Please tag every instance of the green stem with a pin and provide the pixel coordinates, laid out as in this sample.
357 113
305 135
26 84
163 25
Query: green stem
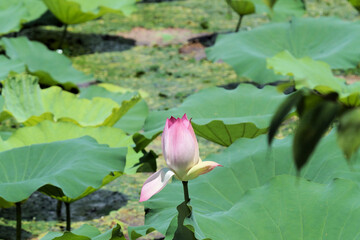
18 220
186 192
63 36
68 217
239 23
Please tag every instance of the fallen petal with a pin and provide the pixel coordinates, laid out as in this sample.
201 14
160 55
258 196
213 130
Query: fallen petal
200 168
155 183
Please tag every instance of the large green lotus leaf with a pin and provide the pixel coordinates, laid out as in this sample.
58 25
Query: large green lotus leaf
16 12
221 115
247 164
331 40
51 68
48 131
79 11
133 121
28 104
87 232
8 66
287 208
315 75
72 166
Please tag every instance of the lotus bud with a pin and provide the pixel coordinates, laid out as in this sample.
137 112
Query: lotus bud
181 153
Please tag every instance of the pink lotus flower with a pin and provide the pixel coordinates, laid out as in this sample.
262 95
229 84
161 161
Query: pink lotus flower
181 153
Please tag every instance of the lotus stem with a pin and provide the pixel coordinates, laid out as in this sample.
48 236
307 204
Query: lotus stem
239 23
18 220
58 209
68 217
63 36
186 191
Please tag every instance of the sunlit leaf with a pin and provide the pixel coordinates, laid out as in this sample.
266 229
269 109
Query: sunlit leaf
79 11
134 119
312 74
29 105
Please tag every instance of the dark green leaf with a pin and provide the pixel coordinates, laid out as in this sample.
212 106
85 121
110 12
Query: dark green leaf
283 111
349 132
313 124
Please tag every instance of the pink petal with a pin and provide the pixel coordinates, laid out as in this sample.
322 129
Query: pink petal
185 121
170 122
201 168
180 149
155 183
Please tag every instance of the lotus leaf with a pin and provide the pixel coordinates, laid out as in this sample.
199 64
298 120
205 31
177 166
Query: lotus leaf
134 119
331 40
315 75
16 12
220 115
280 10
48 131
87 232
79 11
276 207
8 66
71 165
51 68
29 105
